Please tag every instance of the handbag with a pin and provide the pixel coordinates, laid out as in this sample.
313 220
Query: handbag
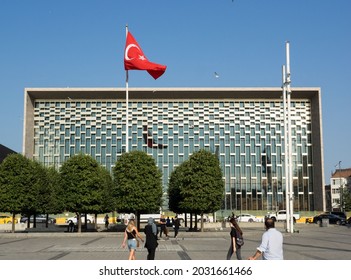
239 240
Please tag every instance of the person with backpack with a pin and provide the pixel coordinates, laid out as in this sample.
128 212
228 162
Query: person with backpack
236 240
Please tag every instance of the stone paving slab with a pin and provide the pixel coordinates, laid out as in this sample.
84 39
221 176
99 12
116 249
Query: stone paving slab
311 243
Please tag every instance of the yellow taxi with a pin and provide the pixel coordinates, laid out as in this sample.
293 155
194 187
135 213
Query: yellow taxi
6 219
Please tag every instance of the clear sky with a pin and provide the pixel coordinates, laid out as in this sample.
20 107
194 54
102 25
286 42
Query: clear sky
80 43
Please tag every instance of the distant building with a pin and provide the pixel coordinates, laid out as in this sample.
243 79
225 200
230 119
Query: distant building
243 126
339 180
4 152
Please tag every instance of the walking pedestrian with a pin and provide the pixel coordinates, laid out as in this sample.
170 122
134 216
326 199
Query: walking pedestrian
107 221
235 235
271 247
71 226
151 243
168 222
176 225
163 228
130 238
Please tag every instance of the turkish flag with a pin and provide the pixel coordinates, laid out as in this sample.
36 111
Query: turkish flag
134 59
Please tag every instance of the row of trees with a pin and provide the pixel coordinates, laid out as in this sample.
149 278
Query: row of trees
82 185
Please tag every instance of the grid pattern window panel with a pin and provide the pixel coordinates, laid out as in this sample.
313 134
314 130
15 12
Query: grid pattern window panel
247 136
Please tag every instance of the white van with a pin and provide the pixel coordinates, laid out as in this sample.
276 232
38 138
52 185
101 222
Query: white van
143 217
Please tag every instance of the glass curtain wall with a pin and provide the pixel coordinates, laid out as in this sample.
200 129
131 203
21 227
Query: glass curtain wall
247 136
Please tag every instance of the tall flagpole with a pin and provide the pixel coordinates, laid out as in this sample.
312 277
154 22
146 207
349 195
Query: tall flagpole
127 103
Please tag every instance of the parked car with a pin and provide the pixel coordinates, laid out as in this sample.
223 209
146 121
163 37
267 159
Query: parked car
247 218
40 218
90 219
280 216
6 219
337 213
333 219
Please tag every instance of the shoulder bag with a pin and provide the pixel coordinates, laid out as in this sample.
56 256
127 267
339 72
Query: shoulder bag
239 239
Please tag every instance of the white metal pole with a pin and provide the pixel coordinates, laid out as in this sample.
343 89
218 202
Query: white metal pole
286 150
288 90
127 103
291 194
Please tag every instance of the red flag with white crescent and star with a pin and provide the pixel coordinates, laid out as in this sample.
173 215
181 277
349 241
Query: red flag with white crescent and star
134 59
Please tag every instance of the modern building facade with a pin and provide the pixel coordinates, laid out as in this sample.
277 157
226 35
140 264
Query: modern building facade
4 152
243 126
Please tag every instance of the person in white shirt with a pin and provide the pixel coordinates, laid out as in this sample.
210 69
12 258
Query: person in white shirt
271 247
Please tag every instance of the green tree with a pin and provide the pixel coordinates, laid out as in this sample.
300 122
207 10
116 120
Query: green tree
138 183
51 194
174 188
346 199
21 182
107 200
201 184
84 185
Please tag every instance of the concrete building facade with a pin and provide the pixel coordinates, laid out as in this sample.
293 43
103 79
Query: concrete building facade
4 152
242 126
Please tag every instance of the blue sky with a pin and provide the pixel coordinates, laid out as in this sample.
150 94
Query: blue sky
80 44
